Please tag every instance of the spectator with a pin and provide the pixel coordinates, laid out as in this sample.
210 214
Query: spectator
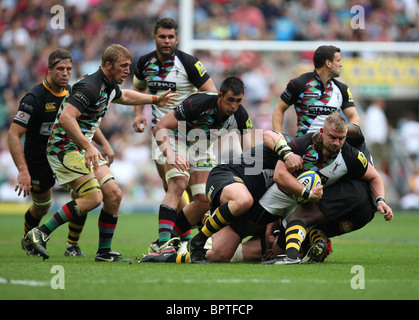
376 132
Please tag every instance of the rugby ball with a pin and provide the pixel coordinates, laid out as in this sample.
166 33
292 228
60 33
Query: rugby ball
309 180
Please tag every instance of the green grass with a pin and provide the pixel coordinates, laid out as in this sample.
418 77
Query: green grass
388 252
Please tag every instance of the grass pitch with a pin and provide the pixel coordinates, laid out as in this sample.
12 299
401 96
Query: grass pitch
387 253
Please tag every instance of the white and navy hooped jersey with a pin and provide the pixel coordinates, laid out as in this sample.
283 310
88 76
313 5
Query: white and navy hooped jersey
348 162
182 73
313 102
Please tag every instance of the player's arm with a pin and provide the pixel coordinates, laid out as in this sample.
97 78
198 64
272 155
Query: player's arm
107 150
131 97
247 140
16 132
286 181
140 122
208 86
378 190
278 115
276 142
161 133
68 121
352 115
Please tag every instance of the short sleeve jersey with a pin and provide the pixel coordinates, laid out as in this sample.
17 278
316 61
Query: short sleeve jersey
199 111
182 73
348 162
91 95
313 102
37 112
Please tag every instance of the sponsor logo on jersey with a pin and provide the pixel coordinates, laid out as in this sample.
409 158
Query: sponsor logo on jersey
320 110
22 116
350 97
161 85
50 107
361 157
201 69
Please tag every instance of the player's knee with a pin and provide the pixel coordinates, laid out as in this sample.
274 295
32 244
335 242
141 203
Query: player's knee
244 203
90 201
112 193
219 255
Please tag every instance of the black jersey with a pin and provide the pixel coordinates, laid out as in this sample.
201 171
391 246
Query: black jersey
182 73
91 95
37 112
199 111
313 102
348 162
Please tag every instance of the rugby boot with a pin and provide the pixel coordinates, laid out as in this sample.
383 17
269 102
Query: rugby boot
166 255
73 250
282 259
197 251
110 256
38 240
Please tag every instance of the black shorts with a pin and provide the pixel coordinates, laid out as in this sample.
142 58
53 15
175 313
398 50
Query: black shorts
348 204
42 177
218 178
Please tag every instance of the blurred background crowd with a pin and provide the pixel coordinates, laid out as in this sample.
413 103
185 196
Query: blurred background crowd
390 118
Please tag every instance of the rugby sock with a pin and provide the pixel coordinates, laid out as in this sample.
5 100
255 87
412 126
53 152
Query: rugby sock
222 217
107 224
66 213
316 235
294 237
182 227
167 218
75 228
182 258
30 222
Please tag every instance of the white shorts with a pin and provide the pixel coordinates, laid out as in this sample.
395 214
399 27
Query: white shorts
277 202
202 159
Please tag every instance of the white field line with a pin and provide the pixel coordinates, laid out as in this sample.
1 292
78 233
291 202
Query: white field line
30 283
35 283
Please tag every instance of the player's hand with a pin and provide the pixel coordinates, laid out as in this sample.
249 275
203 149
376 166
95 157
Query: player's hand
140 123
293 162
166 98
179 161
91 158
108 153
385 210
23 183
316 194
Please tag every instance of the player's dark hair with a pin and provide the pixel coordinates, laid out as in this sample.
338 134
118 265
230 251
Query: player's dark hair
232 83
57 56
165 23
324 53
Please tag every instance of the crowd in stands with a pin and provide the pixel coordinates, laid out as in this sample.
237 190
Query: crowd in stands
27 37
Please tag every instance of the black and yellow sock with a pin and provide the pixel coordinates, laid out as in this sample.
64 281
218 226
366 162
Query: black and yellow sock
30 222
75 227
316 235
222 217
294 237
182 258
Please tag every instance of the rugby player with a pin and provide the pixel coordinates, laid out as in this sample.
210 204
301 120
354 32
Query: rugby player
167 67
77 162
